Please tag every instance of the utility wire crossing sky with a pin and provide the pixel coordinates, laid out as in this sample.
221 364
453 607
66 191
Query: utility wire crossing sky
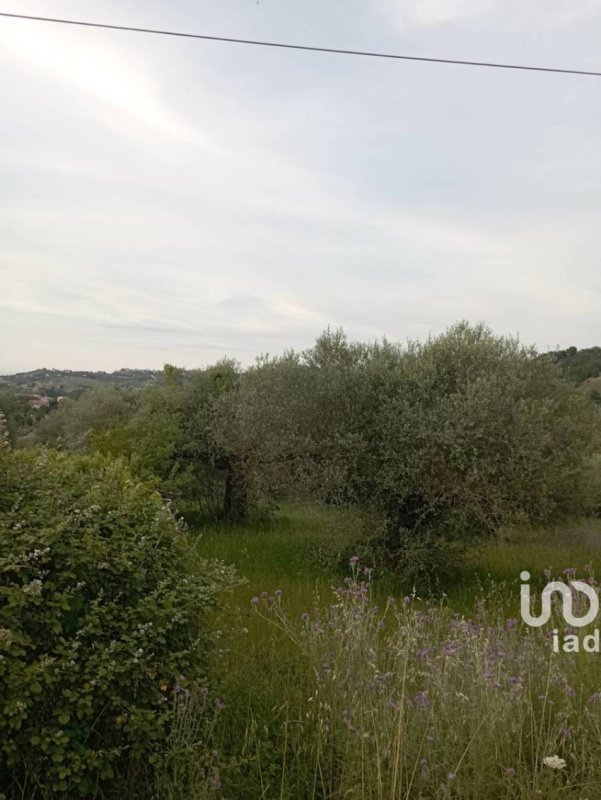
288 46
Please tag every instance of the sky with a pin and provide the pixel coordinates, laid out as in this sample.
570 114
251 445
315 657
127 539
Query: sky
170 200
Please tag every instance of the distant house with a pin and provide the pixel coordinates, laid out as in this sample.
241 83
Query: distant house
37 401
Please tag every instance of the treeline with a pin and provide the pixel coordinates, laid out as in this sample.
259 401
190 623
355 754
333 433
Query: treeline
578 365
435 443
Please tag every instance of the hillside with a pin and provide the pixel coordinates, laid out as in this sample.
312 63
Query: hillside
70 383
579 365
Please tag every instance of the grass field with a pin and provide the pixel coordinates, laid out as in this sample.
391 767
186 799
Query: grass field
349 694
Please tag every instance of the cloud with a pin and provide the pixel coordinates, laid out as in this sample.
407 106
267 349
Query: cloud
97 72
508 13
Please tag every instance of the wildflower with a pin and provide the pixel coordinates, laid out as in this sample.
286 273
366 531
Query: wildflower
215 779
451 776
304 616
254 601
278 592
554 762
422 700
354 560
219 704
406 601
594 698
512 624
449 650
570 572
570 691
264 595
510 772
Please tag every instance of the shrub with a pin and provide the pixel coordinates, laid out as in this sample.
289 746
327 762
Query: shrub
99 621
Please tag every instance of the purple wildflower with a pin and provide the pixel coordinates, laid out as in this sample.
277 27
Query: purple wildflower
422 700
254 601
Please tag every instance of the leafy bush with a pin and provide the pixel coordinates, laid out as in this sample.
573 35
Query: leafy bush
99 621
439 443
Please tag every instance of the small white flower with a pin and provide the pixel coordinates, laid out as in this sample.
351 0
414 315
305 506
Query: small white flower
554 762
34 587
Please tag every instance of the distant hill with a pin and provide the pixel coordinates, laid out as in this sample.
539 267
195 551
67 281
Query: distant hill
70 383
578 365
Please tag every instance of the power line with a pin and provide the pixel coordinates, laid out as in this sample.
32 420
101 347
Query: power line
309 48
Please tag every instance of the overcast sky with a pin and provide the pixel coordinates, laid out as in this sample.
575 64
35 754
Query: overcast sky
172 200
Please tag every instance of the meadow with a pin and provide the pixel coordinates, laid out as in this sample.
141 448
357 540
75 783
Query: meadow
301 580
346 684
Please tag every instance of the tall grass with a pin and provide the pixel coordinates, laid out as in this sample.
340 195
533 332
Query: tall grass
413 700
333 690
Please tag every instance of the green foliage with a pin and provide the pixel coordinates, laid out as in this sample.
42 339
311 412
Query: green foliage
174 439
480 434
73 425
578 365
99 621
438 442
18 416
444 441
